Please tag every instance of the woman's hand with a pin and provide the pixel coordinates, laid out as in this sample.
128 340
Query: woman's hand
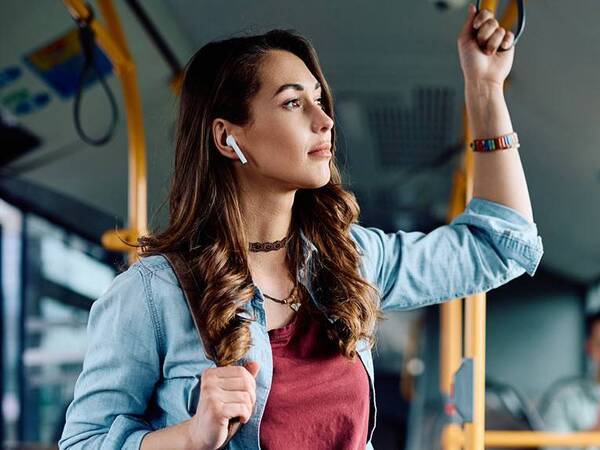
478 43
225 393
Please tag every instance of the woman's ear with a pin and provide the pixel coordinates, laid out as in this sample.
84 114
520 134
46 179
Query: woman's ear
238 151
220 129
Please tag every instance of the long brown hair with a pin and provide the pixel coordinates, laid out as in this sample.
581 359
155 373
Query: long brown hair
205 217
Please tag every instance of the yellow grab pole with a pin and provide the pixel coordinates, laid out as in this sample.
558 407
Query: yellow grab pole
473 436
114 44
113 25
451 316
475 317
450 344
138 200
475 349
451 312
452 437
118 58
451 326
475 307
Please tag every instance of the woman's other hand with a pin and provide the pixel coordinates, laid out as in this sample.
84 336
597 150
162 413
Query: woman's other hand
225 393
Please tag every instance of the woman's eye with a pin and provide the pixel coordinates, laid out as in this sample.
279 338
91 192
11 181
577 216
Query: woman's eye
290 101
320 100
296 100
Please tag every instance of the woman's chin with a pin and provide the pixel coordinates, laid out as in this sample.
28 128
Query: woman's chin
312 180
316 184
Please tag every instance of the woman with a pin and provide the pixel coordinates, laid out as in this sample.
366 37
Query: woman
292 285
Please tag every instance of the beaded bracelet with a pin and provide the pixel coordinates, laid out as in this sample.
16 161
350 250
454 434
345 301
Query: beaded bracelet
499 143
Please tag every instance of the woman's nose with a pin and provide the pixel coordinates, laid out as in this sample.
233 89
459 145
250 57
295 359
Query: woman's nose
323 121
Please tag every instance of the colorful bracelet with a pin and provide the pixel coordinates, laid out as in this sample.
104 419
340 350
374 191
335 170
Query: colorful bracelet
499 143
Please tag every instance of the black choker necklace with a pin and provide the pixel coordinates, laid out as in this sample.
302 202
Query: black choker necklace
268 246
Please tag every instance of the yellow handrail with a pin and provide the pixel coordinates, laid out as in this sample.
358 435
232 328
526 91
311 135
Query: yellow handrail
513 439
528 439
113 42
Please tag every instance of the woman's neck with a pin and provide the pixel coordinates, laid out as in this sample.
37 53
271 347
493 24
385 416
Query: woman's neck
267 216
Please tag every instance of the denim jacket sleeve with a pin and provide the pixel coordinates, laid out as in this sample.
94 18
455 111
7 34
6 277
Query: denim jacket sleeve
484 247
120 370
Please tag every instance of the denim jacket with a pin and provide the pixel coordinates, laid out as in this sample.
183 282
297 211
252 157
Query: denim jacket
144 359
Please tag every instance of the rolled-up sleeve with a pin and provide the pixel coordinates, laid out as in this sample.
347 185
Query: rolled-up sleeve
484 247
120 370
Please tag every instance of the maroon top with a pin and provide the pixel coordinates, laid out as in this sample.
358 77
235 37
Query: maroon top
318 399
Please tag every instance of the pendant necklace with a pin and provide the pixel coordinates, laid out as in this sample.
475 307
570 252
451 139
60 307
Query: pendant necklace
291 300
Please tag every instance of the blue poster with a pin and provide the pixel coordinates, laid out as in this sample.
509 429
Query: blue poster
59 64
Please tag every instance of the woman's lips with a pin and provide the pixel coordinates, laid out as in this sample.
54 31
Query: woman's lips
323 153
321 150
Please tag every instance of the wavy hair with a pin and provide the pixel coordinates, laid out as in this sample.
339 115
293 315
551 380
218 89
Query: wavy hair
205 221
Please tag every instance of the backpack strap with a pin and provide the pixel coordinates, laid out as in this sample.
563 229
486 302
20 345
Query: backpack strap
192 293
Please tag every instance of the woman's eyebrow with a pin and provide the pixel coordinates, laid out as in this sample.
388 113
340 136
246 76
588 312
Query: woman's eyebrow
295 86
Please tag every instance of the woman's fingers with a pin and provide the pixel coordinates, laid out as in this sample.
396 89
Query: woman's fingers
237 397
237 374
490 35
467 29
223 382
481 17
495 40
508 40
486 30
231 410
238 385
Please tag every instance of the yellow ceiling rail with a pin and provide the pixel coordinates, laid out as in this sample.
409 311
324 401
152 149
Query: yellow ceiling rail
113 42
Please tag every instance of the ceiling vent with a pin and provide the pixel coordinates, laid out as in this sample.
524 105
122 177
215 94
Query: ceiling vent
417 135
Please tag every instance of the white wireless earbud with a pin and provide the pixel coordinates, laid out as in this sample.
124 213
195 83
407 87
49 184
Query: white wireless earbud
231 142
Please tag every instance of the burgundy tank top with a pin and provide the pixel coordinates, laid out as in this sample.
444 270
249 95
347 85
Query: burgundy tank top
318 398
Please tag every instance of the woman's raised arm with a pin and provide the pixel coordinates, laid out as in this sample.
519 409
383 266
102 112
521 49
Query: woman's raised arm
498 175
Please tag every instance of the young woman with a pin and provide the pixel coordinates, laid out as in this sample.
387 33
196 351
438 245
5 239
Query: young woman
292 285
